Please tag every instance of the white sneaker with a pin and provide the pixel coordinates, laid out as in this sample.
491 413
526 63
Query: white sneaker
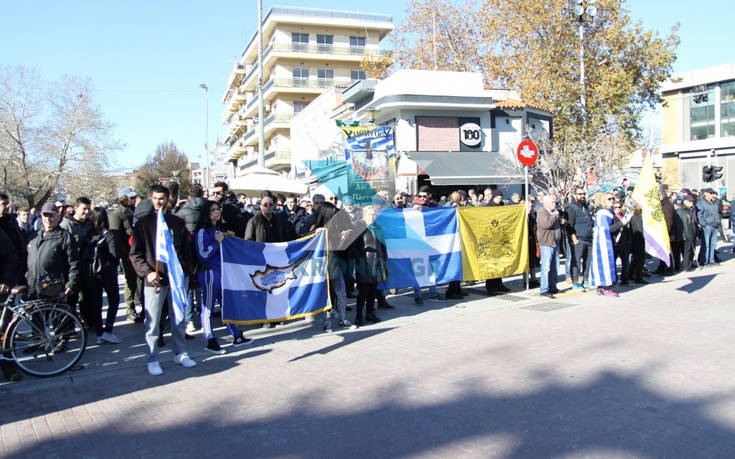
190 328
154 369
110 338
184 360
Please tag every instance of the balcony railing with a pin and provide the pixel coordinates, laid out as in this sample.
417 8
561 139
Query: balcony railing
305 83
324 49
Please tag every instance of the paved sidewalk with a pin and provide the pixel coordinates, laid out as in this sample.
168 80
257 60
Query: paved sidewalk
648 374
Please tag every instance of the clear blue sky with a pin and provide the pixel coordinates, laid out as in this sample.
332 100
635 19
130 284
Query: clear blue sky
147 58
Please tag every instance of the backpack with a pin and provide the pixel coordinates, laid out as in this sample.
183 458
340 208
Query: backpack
99 253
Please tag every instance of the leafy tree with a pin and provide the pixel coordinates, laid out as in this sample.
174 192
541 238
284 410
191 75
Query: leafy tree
52 136
377 66
167 161
532 47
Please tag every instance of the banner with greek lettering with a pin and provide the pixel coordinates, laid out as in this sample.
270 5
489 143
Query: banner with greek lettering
494 241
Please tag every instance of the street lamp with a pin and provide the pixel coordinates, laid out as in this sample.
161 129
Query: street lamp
584 11
206 132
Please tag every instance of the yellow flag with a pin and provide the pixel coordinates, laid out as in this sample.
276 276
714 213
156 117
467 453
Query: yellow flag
647 196
494 241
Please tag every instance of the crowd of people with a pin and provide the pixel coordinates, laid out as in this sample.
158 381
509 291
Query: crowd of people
74 252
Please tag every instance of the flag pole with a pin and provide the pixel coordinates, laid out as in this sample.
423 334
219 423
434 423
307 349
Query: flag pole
528 270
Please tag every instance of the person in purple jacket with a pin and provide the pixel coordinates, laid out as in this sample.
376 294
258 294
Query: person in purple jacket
207 240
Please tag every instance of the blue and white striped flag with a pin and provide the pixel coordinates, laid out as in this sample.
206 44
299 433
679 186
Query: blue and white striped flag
602 269
424 246
271 282
166 253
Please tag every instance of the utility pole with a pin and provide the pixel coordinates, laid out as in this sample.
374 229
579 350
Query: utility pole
261 124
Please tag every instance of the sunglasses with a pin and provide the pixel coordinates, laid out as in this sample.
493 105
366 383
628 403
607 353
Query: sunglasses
267 204
610 199
216 192
333 198
423 196
215 209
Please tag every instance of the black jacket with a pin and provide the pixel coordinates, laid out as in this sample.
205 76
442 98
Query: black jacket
369 254
233 219
143 251
685 225
189 212
277 229
53 253
16 250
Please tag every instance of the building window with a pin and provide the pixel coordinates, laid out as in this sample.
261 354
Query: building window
325 74
324 42
300 76
298 106
357 45
300 41
727 109
702 113
357 75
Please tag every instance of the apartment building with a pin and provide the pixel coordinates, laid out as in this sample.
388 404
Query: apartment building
305 52
698 126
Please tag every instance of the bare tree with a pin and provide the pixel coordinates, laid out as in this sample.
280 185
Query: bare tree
51 135
168 162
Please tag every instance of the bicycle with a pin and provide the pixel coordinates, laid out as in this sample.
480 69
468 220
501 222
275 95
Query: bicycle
44 338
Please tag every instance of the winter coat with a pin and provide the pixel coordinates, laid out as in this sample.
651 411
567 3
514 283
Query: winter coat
9 261
707 213
579 221
143 251
369 255
189 212
53 254
121 227
259 229
685 225
17 248
233 219
547 225
81 231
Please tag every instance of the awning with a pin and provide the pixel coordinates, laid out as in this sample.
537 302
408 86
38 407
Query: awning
468 167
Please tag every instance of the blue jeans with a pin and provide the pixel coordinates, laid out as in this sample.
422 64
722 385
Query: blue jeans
432 291
549 268
710 243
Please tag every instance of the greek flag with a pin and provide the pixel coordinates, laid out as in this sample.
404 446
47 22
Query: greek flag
271 282
166 253
424 246
602 269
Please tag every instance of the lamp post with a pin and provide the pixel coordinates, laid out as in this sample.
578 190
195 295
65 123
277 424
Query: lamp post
584 11
206 133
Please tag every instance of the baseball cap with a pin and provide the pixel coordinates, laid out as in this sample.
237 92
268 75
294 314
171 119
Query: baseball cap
708 190
690 198
49 208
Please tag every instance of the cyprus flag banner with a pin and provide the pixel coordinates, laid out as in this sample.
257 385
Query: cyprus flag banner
272 282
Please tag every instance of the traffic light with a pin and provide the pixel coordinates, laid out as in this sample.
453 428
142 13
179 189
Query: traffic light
707 174
716 173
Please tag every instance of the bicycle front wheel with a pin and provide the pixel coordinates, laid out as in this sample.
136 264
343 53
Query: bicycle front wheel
47 341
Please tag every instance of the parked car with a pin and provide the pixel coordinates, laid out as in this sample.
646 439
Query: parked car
725 207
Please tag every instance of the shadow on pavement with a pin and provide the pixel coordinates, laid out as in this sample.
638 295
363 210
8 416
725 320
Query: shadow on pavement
347 338
613 414
696 283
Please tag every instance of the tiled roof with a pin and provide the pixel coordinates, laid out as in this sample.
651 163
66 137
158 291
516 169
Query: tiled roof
514 103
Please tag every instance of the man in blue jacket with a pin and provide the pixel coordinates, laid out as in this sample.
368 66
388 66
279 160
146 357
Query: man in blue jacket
708 217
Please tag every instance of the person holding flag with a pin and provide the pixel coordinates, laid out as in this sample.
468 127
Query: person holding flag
602 269
161 255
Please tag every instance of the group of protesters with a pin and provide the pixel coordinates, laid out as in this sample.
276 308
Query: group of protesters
75 251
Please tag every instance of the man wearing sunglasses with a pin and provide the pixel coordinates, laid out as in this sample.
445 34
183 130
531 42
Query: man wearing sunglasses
232 218
579 227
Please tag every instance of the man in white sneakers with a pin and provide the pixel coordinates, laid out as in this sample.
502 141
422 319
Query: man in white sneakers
156 291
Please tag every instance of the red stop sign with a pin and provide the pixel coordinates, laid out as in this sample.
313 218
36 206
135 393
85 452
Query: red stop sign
527 152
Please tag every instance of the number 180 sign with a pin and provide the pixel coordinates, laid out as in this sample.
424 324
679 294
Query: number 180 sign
527 153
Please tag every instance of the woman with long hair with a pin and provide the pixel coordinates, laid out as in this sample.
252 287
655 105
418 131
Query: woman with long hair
102 275
602 268
207 239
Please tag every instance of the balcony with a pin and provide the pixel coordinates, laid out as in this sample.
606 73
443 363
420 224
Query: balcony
272 158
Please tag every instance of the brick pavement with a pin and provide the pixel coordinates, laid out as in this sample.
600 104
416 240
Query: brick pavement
644 375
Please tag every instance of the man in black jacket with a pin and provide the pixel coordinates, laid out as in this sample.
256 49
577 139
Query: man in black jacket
155 275
685 233
53 258
12 231
121 227
233 219
579 227
81 229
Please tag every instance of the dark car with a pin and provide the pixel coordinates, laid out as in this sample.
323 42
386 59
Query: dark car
725 207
